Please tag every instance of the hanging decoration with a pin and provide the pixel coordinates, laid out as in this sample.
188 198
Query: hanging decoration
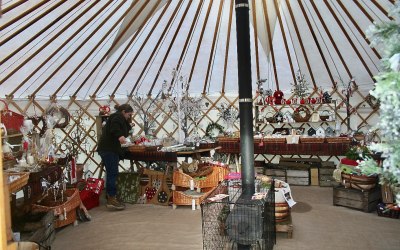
185 108
229 115
147 110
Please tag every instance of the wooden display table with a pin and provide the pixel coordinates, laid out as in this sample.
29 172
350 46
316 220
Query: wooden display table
320 149
170 157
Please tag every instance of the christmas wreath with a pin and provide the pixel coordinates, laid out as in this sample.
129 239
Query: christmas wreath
214 126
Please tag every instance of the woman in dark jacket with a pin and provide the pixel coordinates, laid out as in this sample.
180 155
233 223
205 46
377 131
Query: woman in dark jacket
114 134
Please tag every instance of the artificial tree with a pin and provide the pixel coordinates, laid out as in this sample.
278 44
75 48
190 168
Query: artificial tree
386 37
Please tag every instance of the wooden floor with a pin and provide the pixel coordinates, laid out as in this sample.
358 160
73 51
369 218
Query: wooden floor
317 224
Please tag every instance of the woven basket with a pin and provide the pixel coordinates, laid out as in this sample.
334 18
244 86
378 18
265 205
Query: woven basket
337 139
16 184
324 116
73 201
274 139
180 198
297 114
359 137
211 180
360 182
137 148
228 139
71 218
312 140
9 163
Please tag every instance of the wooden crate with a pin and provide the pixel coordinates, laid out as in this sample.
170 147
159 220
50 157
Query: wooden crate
276 173
285 227
325 176
300 177
314 180
357 199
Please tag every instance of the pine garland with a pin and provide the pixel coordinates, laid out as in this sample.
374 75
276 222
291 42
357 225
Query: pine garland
213 125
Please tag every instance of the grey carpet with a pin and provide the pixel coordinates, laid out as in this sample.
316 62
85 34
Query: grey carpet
317 225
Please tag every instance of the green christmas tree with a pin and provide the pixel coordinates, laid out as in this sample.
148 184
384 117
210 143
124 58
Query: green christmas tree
386 38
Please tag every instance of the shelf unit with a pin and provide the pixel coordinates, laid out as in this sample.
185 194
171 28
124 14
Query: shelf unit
267 116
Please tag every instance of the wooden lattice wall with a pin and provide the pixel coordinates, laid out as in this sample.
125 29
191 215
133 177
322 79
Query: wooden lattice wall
82 128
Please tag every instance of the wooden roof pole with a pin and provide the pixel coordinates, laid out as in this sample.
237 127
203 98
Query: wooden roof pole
253 3
22 15
381 9
316 42
20 65
151 13
156 47
126 48
170 46
212 51
285 41
227 46
188 38
76 51
331 39
270 44
349 39
12 6
38 18
99 43
39 33
358 27
296 28
142 46
200 39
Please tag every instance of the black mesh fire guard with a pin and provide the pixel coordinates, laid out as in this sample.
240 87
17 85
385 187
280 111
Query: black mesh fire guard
236 222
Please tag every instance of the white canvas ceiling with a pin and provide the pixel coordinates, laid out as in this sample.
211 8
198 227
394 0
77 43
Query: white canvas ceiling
102 48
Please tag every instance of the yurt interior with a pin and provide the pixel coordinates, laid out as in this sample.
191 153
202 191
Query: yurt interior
200 124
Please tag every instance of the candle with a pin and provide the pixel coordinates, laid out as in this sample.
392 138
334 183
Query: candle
191 185
193 204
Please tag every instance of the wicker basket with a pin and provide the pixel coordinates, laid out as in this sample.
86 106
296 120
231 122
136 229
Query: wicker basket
297 114
9 163
71 218
152 148
73 201
359 137
228 139
360 182
21 179
274 139
181 198
324 116
211 180
137 148
337 139
312 139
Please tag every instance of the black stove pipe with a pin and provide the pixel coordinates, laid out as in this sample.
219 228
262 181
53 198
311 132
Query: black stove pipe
245 97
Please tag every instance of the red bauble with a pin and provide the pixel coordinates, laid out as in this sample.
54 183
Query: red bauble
278 95
288 101
302 101
313 100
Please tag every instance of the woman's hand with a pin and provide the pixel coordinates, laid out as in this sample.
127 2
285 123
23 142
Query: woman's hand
122 140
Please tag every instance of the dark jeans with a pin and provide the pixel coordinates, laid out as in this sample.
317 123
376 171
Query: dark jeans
111 161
